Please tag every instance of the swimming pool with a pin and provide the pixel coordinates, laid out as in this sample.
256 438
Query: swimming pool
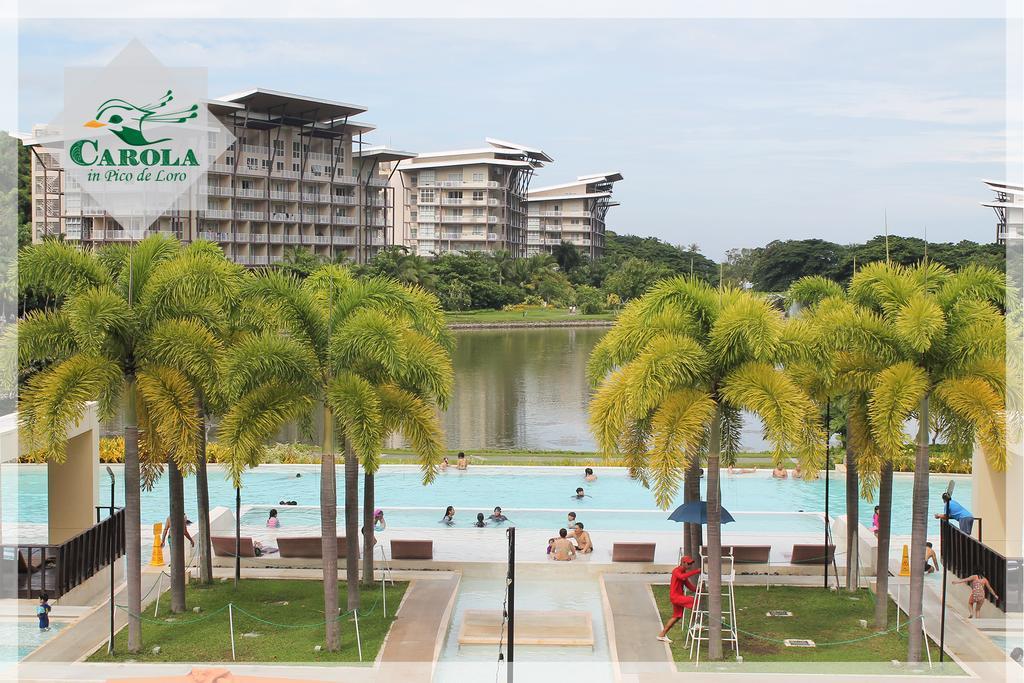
21 637
526 490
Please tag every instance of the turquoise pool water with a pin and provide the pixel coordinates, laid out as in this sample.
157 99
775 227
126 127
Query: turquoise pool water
22 637
527 489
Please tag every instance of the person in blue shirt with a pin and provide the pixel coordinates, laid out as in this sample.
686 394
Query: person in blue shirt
43 612
958 513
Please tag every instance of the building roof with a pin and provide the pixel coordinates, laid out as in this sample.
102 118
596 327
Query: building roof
593 178
531 152
1003 186
581 195
289 105
610 177
416 164
382 153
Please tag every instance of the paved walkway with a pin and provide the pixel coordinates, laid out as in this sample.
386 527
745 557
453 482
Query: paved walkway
632 622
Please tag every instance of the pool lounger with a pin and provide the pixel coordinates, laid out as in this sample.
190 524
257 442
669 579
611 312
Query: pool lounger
633 552
812 554
409 549
306 547
224 546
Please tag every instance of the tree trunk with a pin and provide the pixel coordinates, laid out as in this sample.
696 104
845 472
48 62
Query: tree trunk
203 503
352 526
687 527
852 517
176 535
882 569
714 577
368 534
132 518
918 536
692 484
329 531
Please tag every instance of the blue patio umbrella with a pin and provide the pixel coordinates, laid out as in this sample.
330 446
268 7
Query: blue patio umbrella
696 512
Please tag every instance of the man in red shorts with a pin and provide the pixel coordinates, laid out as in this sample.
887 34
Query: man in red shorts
677 595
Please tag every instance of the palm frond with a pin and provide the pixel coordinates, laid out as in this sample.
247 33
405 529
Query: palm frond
257 359
919 321
678 427
417 421
897 392
356 407
171 404
978 405
99 317
59 268
44 336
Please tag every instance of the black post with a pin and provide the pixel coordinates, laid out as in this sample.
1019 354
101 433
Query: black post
511 613
113 559
828 420
943 535
238 535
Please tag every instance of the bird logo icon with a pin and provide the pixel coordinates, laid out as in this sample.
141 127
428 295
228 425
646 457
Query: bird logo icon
125 120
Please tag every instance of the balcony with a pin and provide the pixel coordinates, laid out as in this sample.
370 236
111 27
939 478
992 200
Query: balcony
560 214
245 169
376 222
308 217
215 236
342 240
461 183
348 200
284 173
275 238
278 217
221 168
377 182
250 215
320 157
258 238
256 149
216 190
451 201
323 219
469 219
346 220
249 192
313 197
287 196
241 237
293 239
342 179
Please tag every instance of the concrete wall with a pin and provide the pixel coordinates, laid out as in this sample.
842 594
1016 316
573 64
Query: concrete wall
996 498
72 487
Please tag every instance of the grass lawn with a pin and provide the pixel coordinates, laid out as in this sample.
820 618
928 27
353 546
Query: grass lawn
538 314
404 456
294 607
818 614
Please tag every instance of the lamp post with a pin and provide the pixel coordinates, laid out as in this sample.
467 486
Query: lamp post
828 419
943 535
113 554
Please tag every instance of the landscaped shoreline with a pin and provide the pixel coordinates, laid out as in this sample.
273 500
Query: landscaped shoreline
532 316
530 323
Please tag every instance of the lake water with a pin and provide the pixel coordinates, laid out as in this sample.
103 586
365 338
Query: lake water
527 389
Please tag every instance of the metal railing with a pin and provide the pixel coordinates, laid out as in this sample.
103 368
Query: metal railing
56 569
964 555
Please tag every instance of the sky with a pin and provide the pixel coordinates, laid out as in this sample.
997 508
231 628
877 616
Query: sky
729 132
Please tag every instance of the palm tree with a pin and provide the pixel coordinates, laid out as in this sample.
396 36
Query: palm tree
566 255
503 264
202 271
673 376
373 353
947 332
97 344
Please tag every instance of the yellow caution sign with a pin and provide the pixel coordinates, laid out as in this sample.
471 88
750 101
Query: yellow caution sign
905 564
158 552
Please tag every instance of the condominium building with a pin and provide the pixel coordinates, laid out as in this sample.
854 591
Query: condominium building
1009 207
298 174
465 200
570 212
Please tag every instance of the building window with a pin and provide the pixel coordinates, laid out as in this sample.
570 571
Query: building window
295 166
278 147
426 196
478 177
279 165
455 176
478 195
478 211
455 195
296 148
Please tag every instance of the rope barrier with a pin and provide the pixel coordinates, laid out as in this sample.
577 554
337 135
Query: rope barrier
837 642
162 622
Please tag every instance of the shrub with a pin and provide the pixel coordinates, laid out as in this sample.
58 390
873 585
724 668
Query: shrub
488 294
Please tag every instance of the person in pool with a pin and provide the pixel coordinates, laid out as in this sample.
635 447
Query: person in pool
561 548
43 612
273 522
582 538
444 463
579 493
497 516
378 520
449 516
780 472
462 463
480 523
588 474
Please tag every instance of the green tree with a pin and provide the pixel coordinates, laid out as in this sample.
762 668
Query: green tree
946 335
673 377
633 278
99 341
567 256
299 260
589 300
553 286
374 354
